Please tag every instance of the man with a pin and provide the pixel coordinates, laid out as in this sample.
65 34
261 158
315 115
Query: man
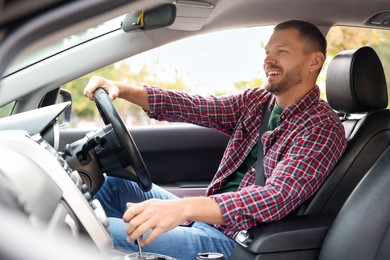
303 144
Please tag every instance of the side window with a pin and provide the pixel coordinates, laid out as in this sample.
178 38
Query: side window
214 64
6 110
347 38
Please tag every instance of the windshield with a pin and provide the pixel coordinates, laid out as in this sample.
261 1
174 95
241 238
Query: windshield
64 44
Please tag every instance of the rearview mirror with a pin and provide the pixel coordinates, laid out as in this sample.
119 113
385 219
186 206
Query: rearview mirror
158 17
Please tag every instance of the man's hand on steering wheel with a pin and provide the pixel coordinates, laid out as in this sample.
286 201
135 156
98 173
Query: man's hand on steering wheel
96 82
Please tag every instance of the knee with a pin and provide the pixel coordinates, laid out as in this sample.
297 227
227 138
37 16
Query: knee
105 190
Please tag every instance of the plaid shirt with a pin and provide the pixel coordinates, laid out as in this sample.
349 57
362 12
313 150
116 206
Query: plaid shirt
299 153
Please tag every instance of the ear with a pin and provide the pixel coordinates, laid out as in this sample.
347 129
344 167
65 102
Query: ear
317 59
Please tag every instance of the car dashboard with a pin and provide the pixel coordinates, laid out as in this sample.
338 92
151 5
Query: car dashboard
52 195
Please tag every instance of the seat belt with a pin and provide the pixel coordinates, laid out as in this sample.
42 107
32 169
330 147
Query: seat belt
260 179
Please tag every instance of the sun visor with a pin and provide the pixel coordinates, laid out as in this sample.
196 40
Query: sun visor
191 15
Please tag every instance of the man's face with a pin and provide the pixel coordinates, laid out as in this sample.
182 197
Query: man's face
284 62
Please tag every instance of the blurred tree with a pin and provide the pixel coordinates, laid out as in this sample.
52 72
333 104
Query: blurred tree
81 107
6 110
245 84
120 71
343 38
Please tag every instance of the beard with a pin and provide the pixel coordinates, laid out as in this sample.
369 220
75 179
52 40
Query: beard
290 78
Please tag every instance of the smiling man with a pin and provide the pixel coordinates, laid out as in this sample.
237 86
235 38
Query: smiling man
303 143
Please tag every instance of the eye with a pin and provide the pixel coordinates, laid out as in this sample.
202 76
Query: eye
282 51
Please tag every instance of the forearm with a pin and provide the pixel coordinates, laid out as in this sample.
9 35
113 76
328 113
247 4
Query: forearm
115 89
134 94
202 209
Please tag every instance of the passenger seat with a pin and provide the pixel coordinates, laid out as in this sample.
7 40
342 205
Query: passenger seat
361 230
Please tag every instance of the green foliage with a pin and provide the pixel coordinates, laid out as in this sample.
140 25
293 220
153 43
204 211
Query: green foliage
244 84
81 106
6 110
121 71
343 38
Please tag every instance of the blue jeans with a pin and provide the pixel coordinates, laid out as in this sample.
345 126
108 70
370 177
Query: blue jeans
181 243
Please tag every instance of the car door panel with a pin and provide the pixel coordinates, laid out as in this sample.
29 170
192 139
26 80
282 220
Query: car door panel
180 157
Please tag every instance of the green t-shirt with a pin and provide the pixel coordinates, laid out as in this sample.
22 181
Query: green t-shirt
274 117
233 181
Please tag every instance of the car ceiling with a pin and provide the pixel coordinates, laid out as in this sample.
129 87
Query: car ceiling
321 12
225 15
15 11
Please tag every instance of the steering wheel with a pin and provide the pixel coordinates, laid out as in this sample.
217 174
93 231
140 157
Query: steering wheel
131 165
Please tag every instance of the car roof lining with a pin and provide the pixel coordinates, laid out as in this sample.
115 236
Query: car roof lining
12 11
325 14
228 14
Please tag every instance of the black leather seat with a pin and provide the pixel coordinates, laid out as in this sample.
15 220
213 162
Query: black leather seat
361 230
356 88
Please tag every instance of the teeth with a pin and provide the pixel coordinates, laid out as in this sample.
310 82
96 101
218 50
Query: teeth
273 73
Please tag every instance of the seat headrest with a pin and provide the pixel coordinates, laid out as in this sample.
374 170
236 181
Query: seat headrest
355 82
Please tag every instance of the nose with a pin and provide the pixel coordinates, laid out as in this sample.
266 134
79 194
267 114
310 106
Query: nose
269 59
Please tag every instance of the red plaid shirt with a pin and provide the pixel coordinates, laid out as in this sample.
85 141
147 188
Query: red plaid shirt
299 153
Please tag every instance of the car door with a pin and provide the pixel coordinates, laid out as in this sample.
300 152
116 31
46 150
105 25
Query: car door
181 158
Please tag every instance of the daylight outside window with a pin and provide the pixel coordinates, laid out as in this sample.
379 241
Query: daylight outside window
213 64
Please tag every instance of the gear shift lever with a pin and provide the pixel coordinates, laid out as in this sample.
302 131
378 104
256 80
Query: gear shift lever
140 256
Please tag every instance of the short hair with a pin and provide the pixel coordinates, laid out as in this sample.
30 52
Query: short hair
308 32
